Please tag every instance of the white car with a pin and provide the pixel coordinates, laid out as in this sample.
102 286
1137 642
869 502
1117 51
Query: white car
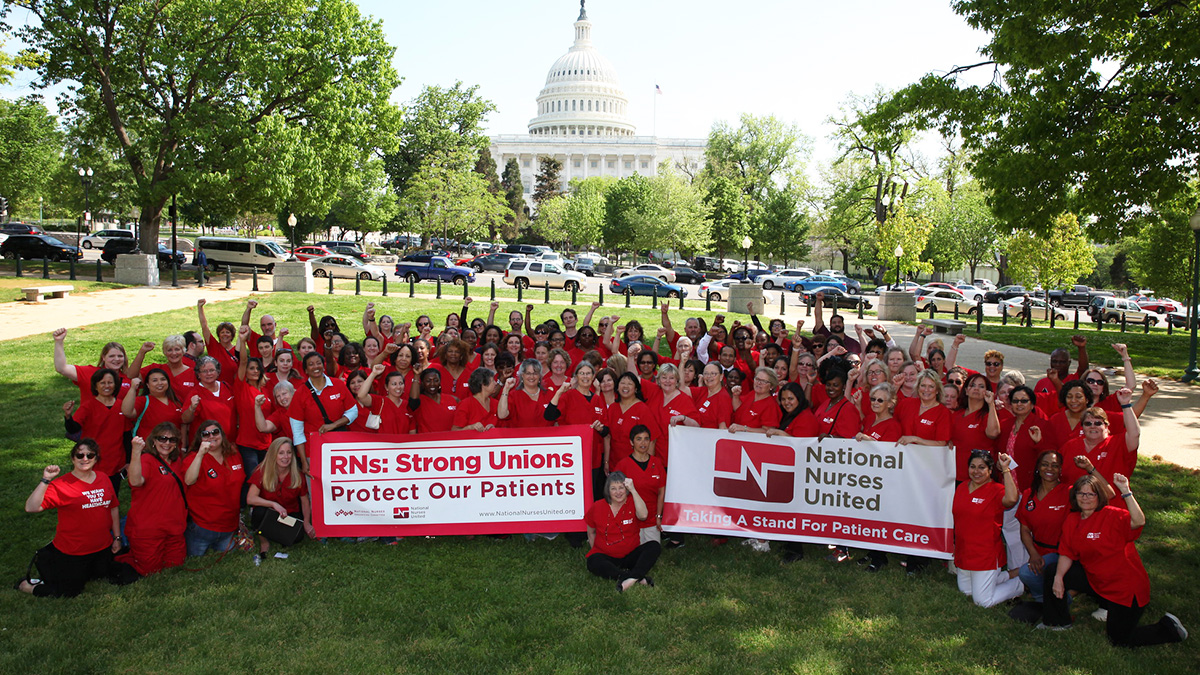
98 238
729 265
1014 307
770 281
971 292
718 291
526 272
651 270
943 299
345 267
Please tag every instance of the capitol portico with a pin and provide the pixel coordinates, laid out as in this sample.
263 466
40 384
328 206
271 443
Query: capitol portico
582 120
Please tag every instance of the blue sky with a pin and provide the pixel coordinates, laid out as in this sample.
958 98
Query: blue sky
714 60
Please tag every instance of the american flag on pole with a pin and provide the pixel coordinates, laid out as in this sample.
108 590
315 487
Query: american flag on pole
658 89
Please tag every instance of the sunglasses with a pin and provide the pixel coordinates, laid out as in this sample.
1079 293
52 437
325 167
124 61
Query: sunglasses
84 455
1094 423
993 364
166 439
957 383
878 400
210 433
423 324
1092 380
1017 401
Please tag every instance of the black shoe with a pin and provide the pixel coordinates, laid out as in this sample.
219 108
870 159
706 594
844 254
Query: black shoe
865 560
649 581
876 566
673 543
793 556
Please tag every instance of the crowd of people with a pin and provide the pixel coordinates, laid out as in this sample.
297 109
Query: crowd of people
1043 499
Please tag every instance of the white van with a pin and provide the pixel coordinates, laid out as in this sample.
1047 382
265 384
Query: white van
239 252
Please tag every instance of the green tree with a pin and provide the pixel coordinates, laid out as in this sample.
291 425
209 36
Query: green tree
514 198
486 166
548 183
783 227
443 200
8 62
29 145
256 104
551 223
727 213
1055 259
365 202
910 232
586 210
628 208
446 123
678 215
1160 255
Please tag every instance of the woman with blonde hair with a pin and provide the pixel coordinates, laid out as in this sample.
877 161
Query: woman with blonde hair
278 490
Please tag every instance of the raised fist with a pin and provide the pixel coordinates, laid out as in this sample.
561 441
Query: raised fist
59 334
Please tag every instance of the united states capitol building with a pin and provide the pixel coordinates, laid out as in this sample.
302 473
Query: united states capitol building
582 120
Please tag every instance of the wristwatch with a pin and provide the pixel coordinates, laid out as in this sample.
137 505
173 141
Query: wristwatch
45 481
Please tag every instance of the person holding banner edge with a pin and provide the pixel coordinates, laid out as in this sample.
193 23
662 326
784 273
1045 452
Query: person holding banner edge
614 530
979 555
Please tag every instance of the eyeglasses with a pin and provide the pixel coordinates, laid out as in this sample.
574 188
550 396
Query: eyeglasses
84 455
878 400
957 383
759 380
1092 380
209 433
1089 495
541 331
166 439
1017 401
993 364
1093 423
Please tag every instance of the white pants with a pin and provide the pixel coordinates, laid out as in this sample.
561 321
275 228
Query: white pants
648 534
989 587
1011 531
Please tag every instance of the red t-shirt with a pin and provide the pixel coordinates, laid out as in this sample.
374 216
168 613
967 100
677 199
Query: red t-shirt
803 425
1109 457
220 406
432 416
682 404
550 387
621 422
887 431
712 410
1020 445
1103 544
575 408
931 425
184 383
282 421
106 425
471 411
229 363
1062 431
284 494
158 413
978 517
156 507
83 379
757 414
839 420
649 482
617 535
336 398
253 344
968 432
248 434
214 500
393 419
85 520
456 386
1045 517
526 412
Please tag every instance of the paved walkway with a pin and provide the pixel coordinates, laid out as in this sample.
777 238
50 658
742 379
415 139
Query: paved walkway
1171 425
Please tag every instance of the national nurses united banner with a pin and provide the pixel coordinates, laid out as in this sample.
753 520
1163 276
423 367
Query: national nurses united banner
870 495
498 482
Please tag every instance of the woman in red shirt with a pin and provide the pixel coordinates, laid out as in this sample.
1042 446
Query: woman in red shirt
622 416
454 365
714 407
337 407
673 408
883 427
923 417
1075 398
979 505
183 376
251 382
756 409
213 399
432 410
559 366
524 407
837 417
1101 538
1018 437
649 475
392 407
156 402
278 490
975 425
574 403
99 417
88 532
214 476
1110 453
477 412
1042 509
614 527
112 356
157 513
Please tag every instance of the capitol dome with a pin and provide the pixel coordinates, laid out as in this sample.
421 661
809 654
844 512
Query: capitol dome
582 95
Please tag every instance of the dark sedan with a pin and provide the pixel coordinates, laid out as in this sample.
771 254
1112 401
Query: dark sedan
643 284
1006 293
835 296
687 275
32 246
116 247
492 262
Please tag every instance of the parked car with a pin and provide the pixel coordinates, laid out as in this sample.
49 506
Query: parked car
345 267
775 279
349 252
479 247
1006 293
755 273
422 267
644 284
97 239
985 284
401 241
312 252
523 249
241 252
717 290
121 246
813 282
1038 307
971 292
904 287
31 246
834 297
588 262
1156 305
687 275
659 271
944 299
940 284
342 243
852 285
706 263
729 265
526 272
1179 319
17 227
1112 309
491 262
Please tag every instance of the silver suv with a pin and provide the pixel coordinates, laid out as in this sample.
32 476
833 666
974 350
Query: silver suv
526 272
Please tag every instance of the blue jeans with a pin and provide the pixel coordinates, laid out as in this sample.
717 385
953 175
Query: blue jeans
1035 582
201 541
251 458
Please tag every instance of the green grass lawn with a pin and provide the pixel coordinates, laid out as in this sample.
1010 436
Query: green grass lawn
481 606
10 287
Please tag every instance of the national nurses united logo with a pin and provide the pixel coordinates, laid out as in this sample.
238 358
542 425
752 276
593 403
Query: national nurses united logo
400 512
754 471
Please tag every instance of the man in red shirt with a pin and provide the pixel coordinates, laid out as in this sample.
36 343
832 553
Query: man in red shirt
267 324
1060 364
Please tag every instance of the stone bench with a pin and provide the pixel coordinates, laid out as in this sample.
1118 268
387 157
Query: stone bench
947 326
39 293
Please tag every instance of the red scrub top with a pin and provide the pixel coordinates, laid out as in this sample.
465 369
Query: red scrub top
978 517
1103 544
839 420
526 412
1045 517
215 499
761 414
156 507
712 410
649 481
621 422
617 535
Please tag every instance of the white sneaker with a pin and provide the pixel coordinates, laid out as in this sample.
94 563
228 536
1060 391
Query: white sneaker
761 545
1100 614
1178 625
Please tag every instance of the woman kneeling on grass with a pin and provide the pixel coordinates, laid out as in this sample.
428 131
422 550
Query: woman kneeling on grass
88 531
158 513
278 490
614 527
979 556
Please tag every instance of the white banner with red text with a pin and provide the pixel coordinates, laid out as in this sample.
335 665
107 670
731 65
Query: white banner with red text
504 481
863 494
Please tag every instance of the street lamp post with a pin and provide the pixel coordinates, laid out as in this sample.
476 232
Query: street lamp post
41 214
85 177
174 243
746 244
899 254
1193 371
291 221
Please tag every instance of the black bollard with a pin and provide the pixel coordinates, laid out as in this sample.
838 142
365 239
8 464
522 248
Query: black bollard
1003 315
1123 315
439 289
807 307
1076 318
547 300
357 285
72 268
520 292
574 291
45 267
860 308
253 276
782 303
466 289
100 274
228 278
708 303
331 284
601 295
979 318
1170 325
956 310
932 310
200 276
628 295
412 286
19 266
385 285
1146 326
654 302
681 301
1053 315
493 289
835 306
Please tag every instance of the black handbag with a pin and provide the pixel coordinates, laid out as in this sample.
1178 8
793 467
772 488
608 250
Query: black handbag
279 531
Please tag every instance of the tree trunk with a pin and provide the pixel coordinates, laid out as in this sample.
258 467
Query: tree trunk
148 224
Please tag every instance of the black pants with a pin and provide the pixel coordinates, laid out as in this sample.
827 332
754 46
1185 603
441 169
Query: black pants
1122 626
64 575
636 565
